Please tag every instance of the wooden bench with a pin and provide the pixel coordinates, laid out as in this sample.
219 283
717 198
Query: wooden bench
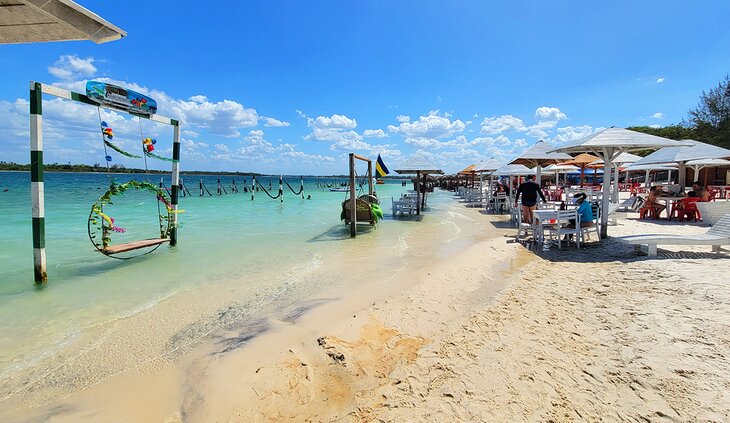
136 245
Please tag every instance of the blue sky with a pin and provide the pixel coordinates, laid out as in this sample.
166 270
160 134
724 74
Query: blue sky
291 87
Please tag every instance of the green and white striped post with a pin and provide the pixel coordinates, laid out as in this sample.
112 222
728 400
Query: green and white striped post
175 178
36 183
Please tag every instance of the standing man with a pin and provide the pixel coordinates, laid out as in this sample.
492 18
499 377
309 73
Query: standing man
529 190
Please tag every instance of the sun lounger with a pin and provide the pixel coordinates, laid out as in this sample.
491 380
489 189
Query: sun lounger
711 212
717 235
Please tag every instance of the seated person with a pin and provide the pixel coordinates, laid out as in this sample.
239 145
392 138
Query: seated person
584 211
651 200
699 191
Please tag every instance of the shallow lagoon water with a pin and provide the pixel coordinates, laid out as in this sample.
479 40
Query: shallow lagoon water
236 259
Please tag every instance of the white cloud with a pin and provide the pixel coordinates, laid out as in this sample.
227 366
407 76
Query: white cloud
269 121
573 133
198 98
299 155
374 133
658 115
497 125
659 80
403 118
655 125
549 114
221 147
536 133
70 67
429 126
338 122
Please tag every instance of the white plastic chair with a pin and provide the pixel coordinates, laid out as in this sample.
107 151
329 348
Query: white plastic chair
560 229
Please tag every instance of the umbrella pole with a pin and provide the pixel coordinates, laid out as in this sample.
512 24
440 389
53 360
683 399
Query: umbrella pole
582 175
607 156
615 183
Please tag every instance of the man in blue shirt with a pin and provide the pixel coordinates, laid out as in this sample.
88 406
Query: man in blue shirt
584 211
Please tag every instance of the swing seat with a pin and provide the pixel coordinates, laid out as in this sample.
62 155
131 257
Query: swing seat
135 245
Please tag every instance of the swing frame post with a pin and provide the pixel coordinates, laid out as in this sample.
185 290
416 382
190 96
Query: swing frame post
37 89
281 188
301 185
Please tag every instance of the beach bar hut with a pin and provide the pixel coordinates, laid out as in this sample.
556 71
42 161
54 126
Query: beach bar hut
608 144
418 165
693 150
540 155
33 21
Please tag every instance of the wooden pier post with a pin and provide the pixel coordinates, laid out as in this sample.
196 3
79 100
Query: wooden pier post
281 188
370 178
301 185
253 186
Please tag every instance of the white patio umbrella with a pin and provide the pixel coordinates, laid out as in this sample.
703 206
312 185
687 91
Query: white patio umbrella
694 150
608 144
697 165
488 166
513 170
622 159
418 164
560 168
539 155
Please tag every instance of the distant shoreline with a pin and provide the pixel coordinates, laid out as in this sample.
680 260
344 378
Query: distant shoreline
192 172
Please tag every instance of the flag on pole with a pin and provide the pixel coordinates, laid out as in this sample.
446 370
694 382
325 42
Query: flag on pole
380 169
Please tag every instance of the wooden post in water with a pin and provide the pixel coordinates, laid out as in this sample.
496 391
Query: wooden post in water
201 187
253 186
370 178
353 198
36 184
301 185
281 188
423 203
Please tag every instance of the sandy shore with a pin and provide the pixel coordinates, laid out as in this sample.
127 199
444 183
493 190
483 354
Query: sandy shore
496 332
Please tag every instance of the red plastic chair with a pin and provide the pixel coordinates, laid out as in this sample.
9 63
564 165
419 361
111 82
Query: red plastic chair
690 210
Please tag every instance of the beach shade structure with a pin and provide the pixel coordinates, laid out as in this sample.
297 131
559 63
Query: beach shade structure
33 21
651 168
468 173
488 166
608 144
418 165
697 165
540 155
582 161
560 168
622 159
694 150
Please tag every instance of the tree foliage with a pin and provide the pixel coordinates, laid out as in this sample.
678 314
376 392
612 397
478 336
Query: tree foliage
710 120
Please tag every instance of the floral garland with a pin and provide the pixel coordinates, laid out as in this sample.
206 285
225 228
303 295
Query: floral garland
98 220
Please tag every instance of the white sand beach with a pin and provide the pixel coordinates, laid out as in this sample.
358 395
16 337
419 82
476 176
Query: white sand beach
495 332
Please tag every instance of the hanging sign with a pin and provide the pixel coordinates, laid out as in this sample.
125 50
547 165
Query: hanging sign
120 98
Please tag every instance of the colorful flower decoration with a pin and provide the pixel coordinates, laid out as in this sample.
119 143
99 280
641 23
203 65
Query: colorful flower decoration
149 144
106 130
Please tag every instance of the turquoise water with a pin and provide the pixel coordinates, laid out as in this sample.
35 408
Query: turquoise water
236 258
